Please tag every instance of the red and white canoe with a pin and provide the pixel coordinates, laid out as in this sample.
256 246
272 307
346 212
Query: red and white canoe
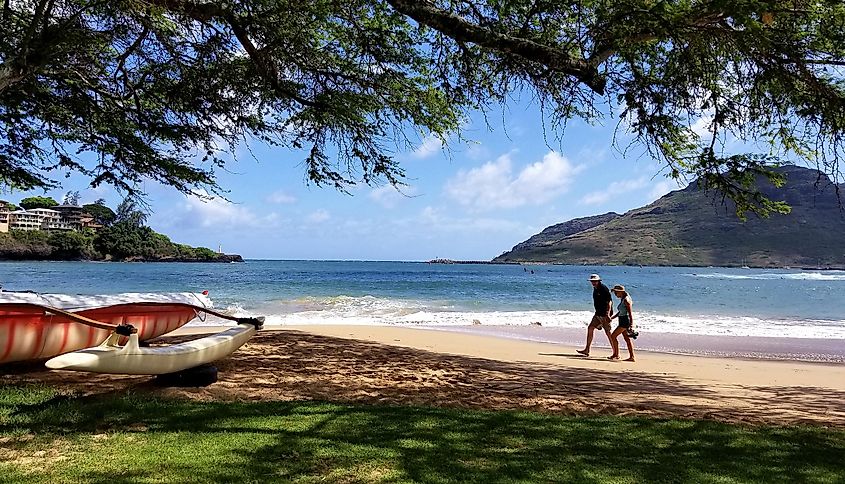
29 332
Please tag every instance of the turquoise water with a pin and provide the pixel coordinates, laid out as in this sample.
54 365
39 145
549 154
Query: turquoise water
712 301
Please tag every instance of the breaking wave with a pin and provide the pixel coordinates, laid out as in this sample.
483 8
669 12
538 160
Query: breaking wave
371 310
770 276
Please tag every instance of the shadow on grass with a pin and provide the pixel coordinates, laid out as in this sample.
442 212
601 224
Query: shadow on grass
292 365
236 442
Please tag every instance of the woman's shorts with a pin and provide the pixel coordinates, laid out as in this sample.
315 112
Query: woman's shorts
624 322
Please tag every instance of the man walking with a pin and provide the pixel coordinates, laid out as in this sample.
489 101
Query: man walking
604 307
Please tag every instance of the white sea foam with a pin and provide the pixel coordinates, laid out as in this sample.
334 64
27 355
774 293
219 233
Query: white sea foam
769 276
370 310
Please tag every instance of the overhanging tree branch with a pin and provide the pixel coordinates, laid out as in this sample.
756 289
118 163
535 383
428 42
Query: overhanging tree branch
347 80
426 13
207 12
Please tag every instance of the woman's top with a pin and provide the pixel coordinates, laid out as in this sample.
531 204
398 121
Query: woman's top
623 309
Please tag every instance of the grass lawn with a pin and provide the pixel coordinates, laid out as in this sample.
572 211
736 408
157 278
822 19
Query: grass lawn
46 437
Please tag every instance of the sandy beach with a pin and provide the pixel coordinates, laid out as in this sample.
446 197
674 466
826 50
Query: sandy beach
396 365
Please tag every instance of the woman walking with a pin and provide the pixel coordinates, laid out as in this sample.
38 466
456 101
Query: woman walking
626 323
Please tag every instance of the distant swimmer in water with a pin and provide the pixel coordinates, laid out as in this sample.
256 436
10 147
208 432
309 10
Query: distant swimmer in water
625 314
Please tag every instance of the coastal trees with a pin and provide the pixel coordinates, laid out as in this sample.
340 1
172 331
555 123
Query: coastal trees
72 244
102 214
123 237
71 198
128 212
30 203
125 240
164 89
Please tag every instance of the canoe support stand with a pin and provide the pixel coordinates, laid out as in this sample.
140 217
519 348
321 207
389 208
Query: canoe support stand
198 376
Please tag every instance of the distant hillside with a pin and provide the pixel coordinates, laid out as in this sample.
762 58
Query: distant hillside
551 235
693 228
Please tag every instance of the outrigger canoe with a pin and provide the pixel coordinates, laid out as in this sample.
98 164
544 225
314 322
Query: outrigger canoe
132 359
29 331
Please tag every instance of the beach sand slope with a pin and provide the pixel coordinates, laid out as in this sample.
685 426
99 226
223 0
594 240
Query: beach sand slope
392 365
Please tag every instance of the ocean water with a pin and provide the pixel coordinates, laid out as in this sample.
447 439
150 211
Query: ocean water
667 300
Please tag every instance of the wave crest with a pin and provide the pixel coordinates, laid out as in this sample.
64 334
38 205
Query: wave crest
371 310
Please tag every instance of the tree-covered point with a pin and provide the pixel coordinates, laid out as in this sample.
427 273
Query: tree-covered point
118 242
164 89
122 237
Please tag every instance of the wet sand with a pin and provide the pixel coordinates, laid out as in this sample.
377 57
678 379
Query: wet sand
772 348
393 365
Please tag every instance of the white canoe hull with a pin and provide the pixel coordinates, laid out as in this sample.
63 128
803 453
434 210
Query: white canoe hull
131 359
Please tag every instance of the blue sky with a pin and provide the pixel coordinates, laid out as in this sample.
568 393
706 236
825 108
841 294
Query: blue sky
470 201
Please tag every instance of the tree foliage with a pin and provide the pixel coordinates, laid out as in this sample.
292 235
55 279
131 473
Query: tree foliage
123 237
72 244
38 202
163 89
125 240
102 214
129 212
71 198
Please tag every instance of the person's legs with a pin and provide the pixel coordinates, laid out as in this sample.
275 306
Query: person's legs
590 330
614 342
586 350
630 343
610 338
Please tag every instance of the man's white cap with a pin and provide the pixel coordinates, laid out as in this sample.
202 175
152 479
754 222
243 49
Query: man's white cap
595 277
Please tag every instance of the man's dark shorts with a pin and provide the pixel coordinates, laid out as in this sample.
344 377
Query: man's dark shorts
600 322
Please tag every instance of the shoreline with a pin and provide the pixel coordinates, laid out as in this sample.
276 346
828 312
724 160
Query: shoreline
454 262
223 259
512 350
773 348
768 348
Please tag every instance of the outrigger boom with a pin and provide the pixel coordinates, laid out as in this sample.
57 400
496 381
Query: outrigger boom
132 359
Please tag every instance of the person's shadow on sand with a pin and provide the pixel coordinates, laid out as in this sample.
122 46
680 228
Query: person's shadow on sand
574 356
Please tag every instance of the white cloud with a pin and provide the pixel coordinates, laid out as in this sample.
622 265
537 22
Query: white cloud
98 190
662 188
280 197
217 212
615 188
494 185
319 216
595 198
389 196
477 151
515 131
430 145
438 221
702 127
592 155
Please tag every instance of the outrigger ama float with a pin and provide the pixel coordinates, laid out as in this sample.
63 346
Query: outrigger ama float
103 334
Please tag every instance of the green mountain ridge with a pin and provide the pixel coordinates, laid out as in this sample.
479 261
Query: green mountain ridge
691 227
